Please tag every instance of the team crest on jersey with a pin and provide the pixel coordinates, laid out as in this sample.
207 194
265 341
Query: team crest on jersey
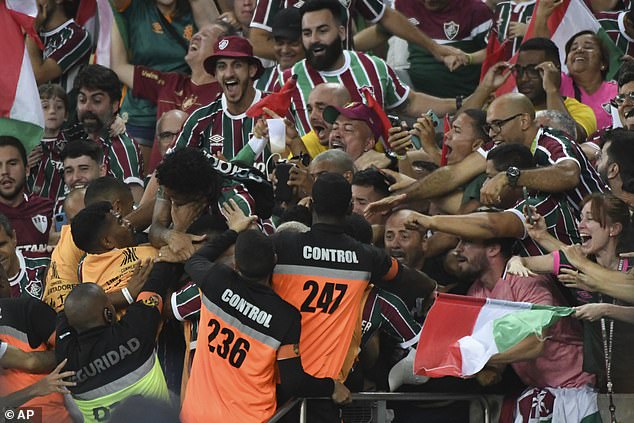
157 28
189 102
223 44
40 222
35 288
451 29
216 140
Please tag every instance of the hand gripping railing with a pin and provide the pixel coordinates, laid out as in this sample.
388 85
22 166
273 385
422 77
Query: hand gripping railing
382 397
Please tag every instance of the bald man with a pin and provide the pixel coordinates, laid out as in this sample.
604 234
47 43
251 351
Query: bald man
562 166
326 94
168 127
113 359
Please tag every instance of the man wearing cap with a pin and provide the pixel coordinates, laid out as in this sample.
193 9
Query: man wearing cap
355 128
222 126
326 60
288 49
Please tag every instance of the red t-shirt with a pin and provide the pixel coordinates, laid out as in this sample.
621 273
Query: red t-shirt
31 221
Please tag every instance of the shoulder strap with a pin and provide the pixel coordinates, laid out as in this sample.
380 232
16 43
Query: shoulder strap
172 31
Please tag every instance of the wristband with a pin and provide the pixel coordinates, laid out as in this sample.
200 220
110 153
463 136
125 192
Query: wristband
126 294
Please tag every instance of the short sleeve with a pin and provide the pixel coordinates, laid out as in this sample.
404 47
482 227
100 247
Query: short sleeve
147 83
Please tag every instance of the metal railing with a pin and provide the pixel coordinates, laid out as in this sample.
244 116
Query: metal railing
381 398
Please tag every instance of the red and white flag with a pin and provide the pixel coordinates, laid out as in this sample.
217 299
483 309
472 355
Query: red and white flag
97 17
20 110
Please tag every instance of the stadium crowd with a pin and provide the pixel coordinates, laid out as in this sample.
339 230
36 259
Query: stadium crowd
252 201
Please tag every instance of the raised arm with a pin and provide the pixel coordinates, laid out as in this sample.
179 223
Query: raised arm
471 226
119 58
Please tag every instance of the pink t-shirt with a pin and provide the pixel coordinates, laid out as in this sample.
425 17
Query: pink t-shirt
599 102
560 365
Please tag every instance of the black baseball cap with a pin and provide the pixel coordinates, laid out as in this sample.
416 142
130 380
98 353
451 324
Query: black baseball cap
287 24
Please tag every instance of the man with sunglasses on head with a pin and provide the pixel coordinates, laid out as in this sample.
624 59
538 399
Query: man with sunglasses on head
562 166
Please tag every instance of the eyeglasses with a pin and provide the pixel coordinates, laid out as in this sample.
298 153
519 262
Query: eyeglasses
167 134
530 71
496 125
620 99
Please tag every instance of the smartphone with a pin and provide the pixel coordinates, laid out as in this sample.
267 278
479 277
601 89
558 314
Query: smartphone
283 192
527 204
60 220
396 122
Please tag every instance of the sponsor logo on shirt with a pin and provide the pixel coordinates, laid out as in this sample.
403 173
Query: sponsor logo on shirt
129 257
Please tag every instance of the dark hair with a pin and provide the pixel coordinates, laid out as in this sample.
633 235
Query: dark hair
188 171
208 224
605 54
254 254
88 226
97 77
227 28
626 73
358 228
331 195
478 120
9 141
78 148
621 151
105 188
506 245
511 154
49 91
372 178
297 213
5 223
607 209
337 10
543 44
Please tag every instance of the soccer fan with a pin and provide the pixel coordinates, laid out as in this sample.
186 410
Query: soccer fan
44 161
99 92
510 222
327 61
563 168
288 49
326 94
113 260
168 127
550 363
537 74
112 358
222 126
27 275
375 11
615 164
369 185
402 243
172 90
356 129
29 324
333 271
67 44
334 161
30 215
263 339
